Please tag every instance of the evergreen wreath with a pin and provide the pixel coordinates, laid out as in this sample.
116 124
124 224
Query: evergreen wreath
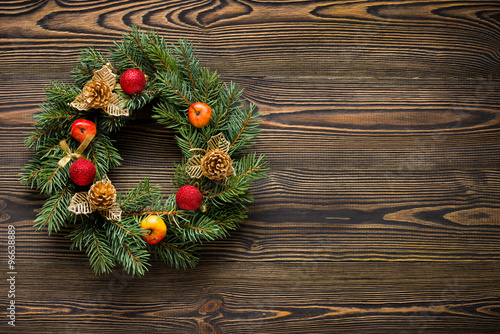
72 158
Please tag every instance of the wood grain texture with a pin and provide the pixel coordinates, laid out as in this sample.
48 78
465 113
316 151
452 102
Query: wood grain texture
382 210
267 298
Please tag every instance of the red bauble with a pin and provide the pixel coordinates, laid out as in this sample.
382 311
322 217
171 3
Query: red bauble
132 81
82 172
188 198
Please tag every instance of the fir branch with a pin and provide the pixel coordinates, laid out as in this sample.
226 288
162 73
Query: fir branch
125 57
190 139
185 49
77 236
170 81
150 212
243 127
110 124
228 96
61 93
132 231
52 124
51 177
38 140
175 253
29 173
91 55
159 53
232 191
181 178
98 250
127 245
169 116
90 60
251 167
103 155
132 52
139 198
54 214
142 41
236 189
134 260
198 228
91 236
141 100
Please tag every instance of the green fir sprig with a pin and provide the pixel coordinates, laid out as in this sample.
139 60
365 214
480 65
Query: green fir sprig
175 80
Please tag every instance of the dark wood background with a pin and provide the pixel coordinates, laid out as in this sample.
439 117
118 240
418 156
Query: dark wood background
382 210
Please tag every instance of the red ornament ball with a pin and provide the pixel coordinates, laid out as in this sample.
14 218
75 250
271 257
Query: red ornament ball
82 172
132 81
188 198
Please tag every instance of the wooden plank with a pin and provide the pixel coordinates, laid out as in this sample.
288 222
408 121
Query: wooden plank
375 190
381 213
316 150
333 216
369 124
367 105
252 298
264 38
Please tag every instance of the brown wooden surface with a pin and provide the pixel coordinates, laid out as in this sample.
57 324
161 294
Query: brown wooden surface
382 129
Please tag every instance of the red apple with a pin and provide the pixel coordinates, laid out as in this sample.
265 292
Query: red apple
199 114
81 128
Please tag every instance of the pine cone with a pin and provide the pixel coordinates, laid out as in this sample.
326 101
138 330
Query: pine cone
102 195
96 93
217 165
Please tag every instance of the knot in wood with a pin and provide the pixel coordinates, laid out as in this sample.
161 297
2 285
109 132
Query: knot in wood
211 306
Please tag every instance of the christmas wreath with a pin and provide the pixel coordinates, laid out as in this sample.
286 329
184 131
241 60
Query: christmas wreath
73 153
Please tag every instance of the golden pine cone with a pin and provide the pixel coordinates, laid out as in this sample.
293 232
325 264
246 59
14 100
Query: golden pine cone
96 93
102 195
216 165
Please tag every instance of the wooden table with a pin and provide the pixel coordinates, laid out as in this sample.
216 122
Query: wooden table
381 127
